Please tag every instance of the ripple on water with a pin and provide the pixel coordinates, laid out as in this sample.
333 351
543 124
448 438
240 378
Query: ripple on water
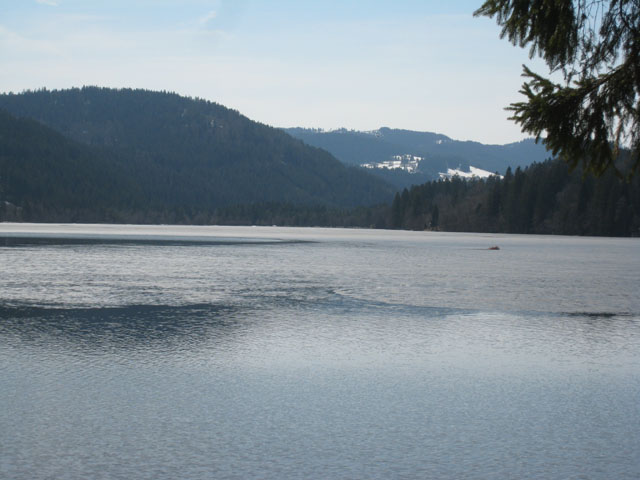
399 355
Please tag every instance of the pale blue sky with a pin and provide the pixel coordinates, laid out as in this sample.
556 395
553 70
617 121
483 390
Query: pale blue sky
421 65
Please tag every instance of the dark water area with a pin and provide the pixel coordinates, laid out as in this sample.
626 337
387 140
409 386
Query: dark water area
216 352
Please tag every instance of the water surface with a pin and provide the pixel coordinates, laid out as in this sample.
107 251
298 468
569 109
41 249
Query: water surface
218 352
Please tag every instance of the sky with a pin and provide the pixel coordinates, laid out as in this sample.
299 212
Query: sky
418 65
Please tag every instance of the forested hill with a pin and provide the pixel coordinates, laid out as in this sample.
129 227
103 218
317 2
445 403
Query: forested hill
135 156
181 154
545 198
46 176
439 151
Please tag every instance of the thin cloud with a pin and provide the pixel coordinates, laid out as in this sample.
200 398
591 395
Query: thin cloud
50 3
203 20
20 45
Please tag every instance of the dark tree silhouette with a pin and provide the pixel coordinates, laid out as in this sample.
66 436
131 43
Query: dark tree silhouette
595 45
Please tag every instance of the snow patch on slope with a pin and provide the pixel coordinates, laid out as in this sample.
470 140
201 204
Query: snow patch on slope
472 173
409 163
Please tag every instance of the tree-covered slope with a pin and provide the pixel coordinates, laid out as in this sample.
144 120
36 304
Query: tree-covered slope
194 154
544 198
440 151
46 175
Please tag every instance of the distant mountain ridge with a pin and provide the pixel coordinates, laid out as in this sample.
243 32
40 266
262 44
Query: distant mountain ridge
440 152
131 161
180 153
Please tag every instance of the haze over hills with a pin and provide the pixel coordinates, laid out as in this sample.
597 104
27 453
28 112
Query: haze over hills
165 152
437 152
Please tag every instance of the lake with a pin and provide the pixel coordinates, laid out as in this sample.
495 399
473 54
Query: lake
162 352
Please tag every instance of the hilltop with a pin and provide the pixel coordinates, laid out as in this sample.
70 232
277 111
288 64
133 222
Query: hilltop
159 152
431 153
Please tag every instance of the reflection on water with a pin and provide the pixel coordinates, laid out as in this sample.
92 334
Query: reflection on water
345 356
135 327
344 337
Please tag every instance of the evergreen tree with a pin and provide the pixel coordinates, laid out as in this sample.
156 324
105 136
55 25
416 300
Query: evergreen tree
595 45
435 216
